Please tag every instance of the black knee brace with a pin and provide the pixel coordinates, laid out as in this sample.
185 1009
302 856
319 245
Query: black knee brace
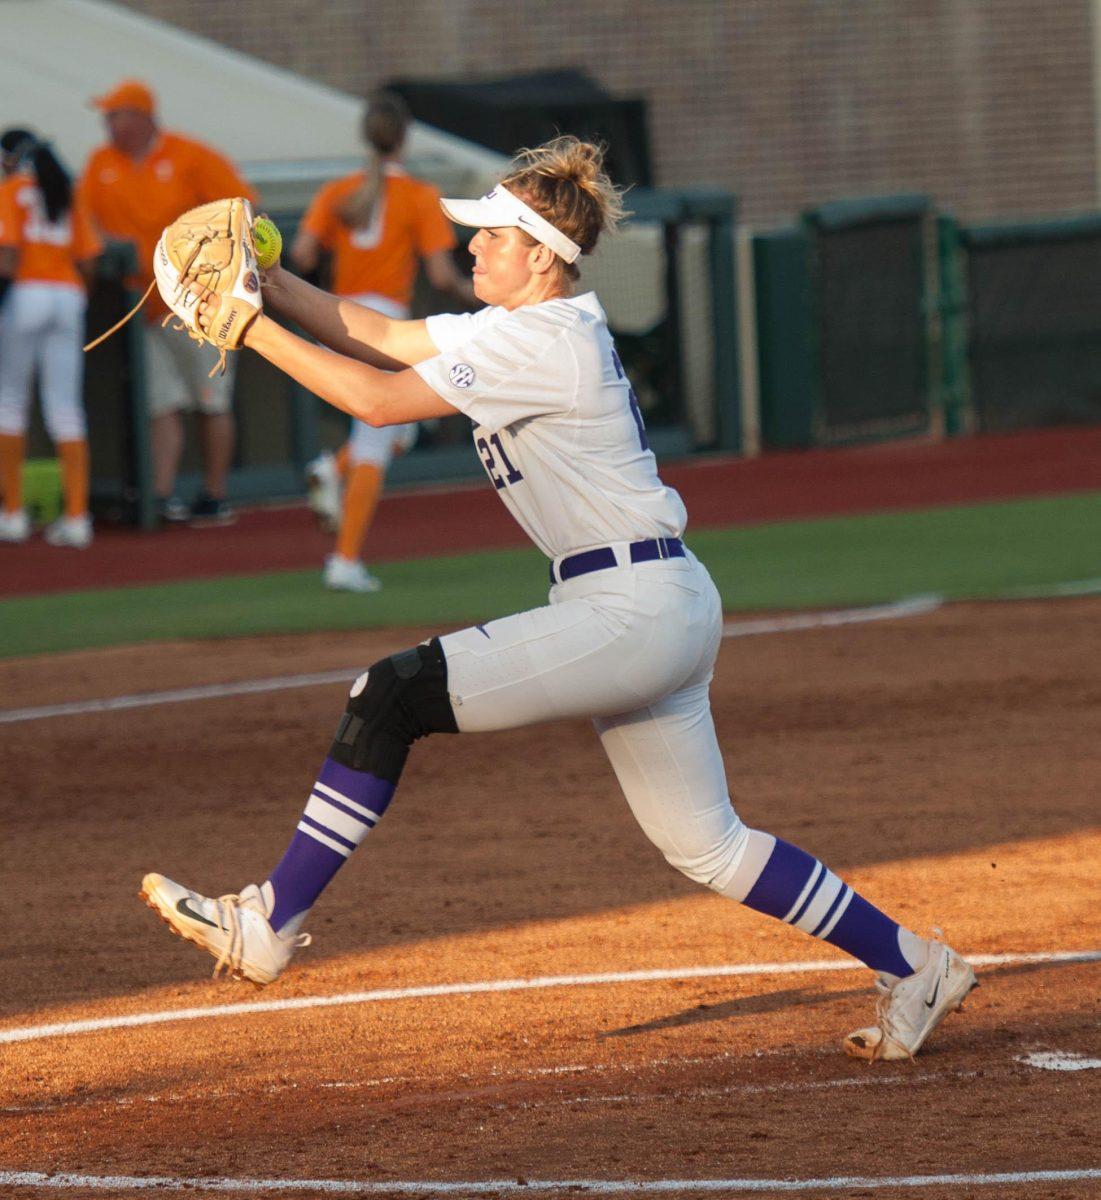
405 697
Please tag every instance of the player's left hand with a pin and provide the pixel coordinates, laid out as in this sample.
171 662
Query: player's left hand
206 271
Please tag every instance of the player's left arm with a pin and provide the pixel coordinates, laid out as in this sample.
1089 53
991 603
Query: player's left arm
364 392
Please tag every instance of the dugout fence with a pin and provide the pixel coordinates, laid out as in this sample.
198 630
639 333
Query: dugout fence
846 328
872 318
1031 322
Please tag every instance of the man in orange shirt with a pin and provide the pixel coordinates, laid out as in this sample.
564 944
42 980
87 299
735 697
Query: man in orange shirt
379 224
133 187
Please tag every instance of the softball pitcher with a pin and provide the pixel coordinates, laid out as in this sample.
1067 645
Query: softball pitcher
631 632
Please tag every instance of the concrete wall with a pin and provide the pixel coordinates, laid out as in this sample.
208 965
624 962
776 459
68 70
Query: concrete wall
986 104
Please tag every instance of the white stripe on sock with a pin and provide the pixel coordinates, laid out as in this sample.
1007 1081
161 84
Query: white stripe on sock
359 808
829 891
814 876
318 836
335 821
839 913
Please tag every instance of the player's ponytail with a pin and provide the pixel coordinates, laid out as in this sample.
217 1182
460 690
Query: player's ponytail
54 182
564 181
385 123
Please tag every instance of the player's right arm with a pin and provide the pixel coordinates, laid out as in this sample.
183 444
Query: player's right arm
347 327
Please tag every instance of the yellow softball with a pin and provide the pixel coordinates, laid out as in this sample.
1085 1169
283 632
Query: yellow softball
268 241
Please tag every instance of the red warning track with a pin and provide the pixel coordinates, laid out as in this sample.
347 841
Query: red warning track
718 492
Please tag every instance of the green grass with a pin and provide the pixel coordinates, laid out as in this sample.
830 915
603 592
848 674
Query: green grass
973 551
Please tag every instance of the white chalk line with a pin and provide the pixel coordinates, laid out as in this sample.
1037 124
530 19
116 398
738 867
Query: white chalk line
515 1187
484 986
213 691
216 691
1060 1060
912 607
916 606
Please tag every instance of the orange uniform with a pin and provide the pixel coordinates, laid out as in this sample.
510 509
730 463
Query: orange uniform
48 250
407 224
133 201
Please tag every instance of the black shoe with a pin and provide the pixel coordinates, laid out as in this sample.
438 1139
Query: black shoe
171 511
209 510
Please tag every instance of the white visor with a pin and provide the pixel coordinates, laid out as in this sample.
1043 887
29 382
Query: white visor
499 208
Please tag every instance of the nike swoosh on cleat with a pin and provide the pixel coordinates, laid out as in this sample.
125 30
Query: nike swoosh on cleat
928 1003
185 910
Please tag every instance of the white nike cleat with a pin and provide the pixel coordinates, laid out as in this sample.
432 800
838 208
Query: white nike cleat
323 490
75 532
15 526
910 1010
348 575
234 929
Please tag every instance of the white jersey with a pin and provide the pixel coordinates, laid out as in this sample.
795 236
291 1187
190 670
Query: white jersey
556 422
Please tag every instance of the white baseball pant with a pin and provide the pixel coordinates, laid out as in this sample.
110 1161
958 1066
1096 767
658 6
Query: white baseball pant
376 447
633 648
42 331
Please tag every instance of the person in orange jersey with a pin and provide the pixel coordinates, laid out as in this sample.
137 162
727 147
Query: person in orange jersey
47 253
134 186
378 224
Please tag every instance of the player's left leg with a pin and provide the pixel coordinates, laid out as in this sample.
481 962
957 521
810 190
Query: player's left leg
61 378
253 934
20 331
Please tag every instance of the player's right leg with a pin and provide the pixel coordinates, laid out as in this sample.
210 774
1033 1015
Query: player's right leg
167 394
668 762
369 453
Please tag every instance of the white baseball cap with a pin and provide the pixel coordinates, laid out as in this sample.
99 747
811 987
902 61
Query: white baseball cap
499 208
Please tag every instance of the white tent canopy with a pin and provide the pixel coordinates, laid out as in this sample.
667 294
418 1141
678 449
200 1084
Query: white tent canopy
285 132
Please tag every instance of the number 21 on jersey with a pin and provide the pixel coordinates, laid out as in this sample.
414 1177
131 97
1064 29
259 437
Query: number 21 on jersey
632 400
497 463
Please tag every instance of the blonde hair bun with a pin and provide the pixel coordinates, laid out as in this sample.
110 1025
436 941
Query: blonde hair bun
564 180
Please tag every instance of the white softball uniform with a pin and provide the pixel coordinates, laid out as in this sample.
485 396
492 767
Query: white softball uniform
631 646
367 444
41 331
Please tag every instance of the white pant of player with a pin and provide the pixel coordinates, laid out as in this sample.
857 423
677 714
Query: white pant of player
368 445
42 330
633 648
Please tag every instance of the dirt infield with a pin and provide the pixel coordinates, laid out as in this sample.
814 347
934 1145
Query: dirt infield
718 491
947 764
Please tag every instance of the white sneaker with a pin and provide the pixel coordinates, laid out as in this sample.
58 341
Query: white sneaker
15 526
910 1010
234 929
70 531
323 490
348 575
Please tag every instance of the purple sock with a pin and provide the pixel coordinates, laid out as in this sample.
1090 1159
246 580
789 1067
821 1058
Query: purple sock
342 808
798 889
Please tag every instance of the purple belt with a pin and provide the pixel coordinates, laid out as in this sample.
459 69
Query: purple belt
604 557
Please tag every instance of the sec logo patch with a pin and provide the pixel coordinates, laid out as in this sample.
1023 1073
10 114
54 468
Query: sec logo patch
461 375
